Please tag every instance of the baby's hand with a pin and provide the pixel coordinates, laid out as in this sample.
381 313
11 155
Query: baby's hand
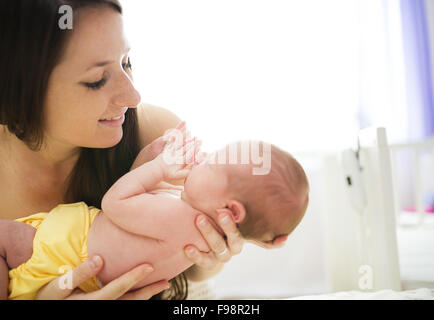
181 135
178 155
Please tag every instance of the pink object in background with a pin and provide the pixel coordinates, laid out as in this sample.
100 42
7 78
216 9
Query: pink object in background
428 209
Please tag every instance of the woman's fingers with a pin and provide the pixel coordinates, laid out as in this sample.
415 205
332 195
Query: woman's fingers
56 289
63 286
214 239
86 271
233 237
202 259
221 250
147 292
118 287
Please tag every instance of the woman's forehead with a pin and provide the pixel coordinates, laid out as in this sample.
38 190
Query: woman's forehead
98 35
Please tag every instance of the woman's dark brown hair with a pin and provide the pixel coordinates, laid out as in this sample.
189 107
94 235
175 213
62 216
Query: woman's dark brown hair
32 44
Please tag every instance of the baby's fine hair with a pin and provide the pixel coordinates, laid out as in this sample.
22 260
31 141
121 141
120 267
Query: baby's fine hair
275 201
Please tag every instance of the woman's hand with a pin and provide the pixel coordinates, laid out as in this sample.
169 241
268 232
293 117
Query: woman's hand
116 289
221 250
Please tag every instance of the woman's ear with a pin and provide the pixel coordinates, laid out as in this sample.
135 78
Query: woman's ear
235 209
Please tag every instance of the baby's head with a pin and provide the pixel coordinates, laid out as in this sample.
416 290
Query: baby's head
266 203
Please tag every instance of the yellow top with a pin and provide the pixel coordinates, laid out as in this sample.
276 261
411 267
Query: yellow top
59 245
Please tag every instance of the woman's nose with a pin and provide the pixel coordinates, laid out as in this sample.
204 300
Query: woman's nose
127 95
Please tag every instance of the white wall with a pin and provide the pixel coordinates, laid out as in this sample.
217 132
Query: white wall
276 70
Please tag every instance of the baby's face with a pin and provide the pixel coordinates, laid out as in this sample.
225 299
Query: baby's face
205 186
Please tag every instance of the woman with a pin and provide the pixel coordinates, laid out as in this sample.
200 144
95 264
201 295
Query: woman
60 90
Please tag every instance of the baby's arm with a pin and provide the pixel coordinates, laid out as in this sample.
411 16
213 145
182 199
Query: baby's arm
16 247
136 182
129 205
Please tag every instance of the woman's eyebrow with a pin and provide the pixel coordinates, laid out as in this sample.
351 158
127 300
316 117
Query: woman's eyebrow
104 63
99 64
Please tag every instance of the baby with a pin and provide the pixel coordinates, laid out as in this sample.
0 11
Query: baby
144 219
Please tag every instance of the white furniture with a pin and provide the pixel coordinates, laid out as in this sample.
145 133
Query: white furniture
359 204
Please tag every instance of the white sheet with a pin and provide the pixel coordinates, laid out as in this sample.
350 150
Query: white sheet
418 294
416 257
416 251
257 273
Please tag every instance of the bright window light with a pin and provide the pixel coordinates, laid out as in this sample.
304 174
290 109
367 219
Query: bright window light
287 72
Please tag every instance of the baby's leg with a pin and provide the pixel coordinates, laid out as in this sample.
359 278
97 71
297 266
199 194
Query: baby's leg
16 247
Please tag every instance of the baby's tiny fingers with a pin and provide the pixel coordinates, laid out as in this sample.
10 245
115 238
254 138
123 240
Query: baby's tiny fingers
181 125
178 129
187 136
191 151
184 150
200 157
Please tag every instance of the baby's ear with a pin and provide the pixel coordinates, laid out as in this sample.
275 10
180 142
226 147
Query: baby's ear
236 209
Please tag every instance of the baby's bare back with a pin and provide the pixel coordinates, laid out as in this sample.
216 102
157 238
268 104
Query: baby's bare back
122 250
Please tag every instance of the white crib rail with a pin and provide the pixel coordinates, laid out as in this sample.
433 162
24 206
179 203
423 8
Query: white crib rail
380 213
417 149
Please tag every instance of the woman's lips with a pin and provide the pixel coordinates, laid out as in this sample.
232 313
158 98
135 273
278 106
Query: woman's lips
113 123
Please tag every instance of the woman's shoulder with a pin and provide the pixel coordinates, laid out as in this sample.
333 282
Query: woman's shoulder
154 121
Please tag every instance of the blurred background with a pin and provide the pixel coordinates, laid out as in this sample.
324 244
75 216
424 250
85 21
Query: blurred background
306 75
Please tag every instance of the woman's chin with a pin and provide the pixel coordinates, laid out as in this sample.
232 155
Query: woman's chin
108 141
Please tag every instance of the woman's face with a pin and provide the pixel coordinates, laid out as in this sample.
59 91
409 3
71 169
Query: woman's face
93 82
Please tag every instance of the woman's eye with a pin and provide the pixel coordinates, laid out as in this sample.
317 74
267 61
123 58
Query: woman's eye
99 84
127 65
96 85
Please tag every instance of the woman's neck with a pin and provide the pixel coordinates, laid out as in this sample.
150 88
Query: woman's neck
54 158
